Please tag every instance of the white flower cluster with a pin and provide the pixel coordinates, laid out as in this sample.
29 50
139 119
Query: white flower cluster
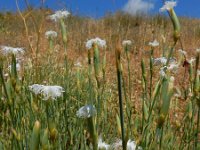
162 61
86 111
162 71
103 145
11 50
101 43
131 145
173 67
49 92
155 43
192 60
159 61
59 15
51 34
126 42
168 6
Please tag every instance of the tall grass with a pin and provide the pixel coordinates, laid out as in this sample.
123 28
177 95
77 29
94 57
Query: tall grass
131 101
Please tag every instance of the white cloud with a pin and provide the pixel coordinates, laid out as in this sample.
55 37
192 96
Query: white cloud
137 6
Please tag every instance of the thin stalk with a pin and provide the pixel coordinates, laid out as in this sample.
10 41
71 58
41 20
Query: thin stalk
119 79
90 76
151 73
197 132
161 138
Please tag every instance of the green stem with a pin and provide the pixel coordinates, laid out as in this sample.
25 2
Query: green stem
161 138
119 79
197 132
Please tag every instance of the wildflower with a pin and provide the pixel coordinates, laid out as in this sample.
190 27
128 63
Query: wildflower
162 61
59 15
168 6
182 52
155 43
50 34
192 60
36 88
162 71
101 43
49 92
11 50
86 111
102 145
126 42
173 67
131 145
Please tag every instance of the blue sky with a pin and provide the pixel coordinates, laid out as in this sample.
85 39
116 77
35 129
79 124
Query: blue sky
98 8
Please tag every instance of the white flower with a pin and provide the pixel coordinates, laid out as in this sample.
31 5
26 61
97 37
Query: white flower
98 41
102 145
131 145
52 92
154 43
126 42
173 67
162 61
168 6
192 60
11 50
159 61
59 15
86 111
51 34
18 67
36 88
162 71
49 92
182 52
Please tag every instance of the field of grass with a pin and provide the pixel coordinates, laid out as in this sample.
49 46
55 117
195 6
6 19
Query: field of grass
62 91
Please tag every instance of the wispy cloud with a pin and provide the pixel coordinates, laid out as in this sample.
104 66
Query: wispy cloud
138 6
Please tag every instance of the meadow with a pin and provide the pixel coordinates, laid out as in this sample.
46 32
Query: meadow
117 82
